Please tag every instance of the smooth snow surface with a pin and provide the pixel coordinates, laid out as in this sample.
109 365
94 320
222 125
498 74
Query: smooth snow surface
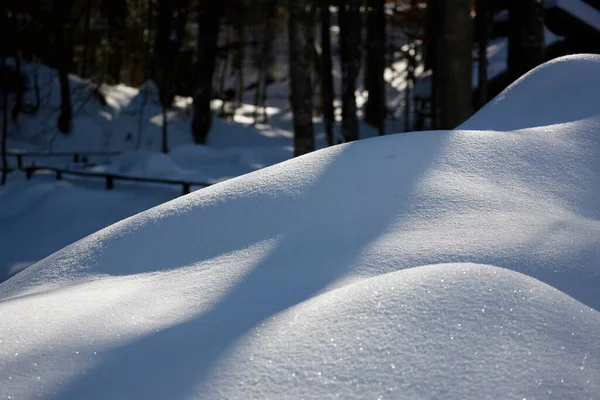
344 272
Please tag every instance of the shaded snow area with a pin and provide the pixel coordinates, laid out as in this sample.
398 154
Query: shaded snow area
445 265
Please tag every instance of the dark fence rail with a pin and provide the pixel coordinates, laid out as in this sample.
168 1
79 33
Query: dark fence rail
111 178
78 156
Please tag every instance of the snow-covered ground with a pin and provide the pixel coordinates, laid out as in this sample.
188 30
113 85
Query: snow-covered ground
450 264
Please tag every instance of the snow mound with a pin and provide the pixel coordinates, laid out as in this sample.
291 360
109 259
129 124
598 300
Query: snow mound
559 91
167 303
442 331
144 164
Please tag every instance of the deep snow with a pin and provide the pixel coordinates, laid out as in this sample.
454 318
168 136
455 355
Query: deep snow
323 275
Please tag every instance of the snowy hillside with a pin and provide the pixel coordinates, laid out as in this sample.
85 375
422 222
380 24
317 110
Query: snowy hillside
460 264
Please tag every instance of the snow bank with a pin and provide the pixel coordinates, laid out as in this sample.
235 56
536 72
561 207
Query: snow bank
193 298
144 164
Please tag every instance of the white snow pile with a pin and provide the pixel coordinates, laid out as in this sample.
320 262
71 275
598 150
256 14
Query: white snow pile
446 265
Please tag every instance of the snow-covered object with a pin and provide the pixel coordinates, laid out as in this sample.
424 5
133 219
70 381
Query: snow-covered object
328 274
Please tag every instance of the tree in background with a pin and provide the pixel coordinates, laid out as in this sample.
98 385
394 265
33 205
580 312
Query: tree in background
525 37
63 58
300 80
209 19
454 64
375 109
4 31
350 54
4 81
116 12
483 25
172 17
327 93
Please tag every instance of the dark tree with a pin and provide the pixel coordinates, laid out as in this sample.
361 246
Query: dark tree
300 81
483 26
209 17
13 42
172 17
431 58
454 70
63 59
525 37
4 87
327 76
350 54
375 64
265 60
116 15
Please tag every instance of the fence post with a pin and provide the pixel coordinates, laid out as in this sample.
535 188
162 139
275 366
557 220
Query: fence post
110 182
58 175
29 173
20 161
75 157
186 188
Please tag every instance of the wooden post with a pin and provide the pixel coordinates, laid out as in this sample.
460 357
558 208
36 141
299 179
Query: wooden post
20 161
186 188
110 182
75 157
58 175
29 173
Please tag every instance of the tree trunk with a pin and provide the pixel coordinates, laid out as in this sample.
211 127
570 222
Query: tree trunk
375 66
86 39
483 25
63 62
411 59
239 65
454 66
327 77
170 31
116 11
4 119
526 44
350 42
209 16
300 82
165 124
18 107
431 58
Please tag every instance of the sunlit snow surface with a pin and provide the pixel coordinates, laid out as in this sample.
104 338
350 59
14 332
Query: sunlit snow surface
458 264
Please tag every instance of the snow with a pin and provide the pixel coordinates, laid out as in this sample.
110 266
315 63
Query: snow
449 264
580 10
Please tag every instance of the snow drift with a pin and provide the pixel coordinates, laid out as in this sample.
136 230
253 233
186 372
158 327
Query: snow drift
316 277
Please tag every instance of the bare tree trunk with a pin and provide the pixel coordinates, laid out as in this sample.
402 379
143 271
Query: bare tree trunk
171 29
18 107
483 25
4 119
411 57
239 63
350 42
165 124
86 38
455 64
63 62
116 11
431 58
375 66
526 45
300 82
209 16
327 79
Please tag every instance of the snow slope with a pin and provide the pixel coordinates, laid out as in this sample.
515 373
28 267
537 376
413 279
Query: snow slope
328 274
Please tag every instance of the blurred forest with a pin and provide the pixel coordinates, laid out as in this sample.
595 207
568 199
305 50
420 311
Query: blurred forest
223 49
